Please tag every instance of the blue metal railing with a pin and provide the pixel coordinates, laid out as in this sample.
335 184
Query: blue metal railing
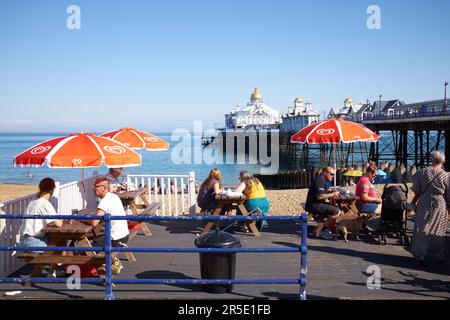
108 250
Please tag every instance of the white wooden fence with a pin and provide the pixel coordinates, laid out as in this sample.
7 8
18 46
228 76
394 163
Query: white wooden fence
72 195
179 198
9 229
175 192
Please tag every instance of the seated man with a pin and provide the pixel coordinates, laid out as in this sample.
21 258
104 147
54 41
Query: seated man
316 202
110 203
114 179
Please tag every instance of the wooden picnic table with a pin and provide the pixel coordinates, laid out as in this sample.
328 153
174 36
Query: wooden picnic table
231 202
73 233
129 199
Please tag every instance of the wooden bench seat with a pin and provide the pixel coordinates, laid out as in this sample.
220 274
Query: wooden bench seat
45 259
150 210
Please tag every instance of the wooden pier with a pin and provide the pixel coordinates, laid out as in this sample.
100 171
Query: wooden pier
416 131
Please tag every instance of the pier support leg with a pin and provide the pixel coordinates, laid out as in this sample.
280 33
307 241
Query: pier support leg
422 161
416 147
405 149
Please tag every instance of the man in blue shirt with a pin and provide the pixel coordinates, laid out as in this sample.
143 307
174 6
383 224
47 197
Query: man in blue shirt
317 202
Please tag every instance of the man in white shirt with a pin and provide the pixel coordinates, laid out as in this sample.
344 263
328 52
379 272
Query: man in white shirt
110 203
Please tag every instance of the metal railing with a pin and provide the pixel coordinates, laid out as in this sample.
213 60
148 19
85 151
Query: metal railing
426 111
108 250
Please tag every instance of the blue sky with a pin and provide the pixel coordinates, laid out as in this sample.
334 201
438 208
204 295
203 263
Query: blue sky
160 65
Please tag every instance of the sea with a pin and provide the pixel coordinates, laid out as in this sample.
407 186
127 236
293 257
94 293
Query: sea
153 162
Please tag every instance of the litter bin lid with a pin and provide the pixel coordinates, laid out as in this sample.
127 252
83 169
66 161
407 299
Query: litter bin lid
218 239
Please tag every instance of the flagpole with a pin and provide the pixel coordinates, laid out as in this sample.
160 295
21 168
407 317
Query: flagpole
335 148
84 188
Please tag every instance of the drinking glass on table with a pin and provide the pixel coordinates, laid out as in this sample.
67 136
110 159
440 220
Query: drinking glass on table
75 212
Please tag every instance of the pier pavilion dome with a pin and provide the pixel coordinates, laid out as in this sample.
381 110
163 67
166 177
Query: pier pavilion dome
255 95
348 100
256 115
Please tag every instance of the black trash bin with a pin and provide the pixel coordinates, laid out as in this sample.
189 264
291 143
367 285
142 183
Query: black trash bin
217 265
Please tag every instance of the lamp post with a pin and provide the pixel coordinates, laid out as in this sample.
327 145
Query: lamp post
380 102
445 95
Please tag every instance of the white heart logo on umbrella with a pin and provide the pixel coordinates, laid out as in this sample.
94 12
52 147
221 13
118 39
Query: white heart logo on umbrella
77 162
40 149
151 139
115 149
325 132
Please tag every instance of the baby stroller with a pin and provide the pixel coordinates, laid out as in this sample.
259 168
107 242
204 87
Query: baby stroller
393 213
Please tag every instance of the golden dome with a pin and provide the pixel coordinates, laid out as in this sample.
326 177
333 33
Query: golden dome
256 94
298 100
348 100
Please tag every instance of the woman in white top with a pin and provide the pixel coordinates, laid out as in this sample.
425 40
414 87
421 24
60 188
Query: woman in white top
31 229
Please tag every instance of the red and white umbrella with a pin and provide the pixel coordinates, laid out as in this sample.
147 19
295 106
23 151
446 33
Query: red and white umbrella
83 150
137 139
334 131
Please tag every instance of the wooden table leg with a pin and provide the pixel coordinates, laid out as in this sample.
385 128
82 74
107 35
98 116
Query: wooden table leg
86 243
144 199
145 229
252 224
130 256
210 224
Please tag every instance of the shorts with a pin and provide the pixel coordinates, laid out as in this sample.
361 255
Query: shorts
322 209
368 207
100 242
30 241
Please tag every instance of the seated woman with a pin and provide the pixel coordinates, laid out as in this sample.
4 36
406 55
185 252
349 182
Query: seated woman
368 201
256 195
31 229
209 189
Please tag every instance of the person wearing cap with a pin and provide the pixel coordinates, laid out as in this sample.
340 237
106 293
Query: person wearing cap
110 203
31 229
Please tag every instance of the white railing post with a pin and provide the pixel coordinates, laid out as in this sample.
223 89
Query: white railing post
191 193
56 196
3 269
